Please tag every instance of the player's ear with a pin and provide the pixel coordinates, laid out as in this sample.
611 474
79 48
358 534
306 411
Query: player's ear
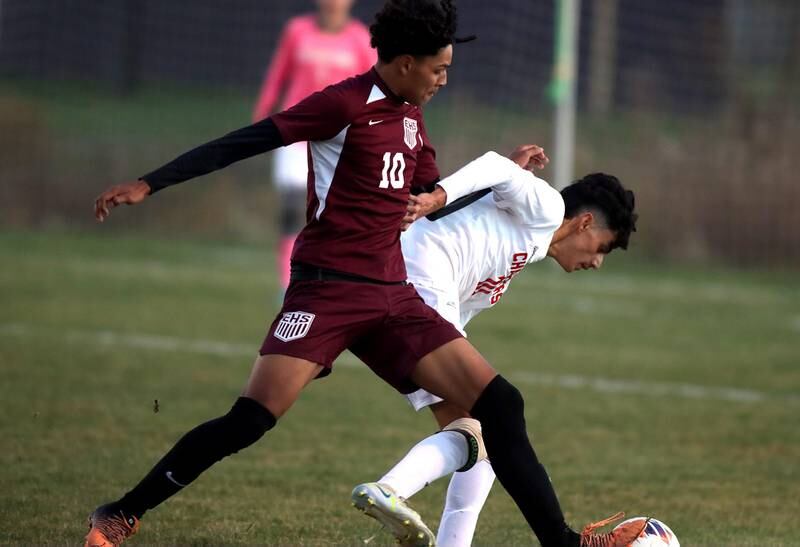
585 221
405 63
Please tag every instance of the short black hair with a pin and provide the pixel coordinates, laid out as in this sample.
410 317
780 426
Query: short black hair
413 27
606 195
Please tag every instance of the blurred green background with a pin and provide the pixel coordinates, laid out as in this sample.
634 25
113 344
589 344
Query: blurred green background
693 105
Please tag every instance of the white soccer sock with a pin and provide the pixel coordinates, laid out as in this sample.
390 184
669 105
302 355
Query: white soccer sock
431 458
465 498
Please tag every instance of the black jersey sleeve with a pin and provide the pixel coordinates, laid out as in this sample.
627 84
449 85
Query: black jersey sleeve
217 154
460 203
424 188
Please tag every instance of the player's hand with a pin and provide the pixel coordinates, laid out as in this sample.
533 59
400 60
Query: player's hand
422 205
529 156
129 193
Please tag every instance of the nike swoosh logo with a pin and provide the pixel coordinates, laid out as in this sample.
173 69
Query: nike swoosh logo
385 495
172 479
375 122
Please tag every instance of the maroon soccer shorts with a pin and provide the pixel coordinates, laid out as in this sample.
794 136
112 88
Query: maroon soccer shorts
389 327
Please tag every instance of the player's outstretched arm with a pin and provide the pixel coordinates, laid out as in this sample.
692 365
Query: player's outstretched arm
491 169
215 155
527 156
531 199
206 158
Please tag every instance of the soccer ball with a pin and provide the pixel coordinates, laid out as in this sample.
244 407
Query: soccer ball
655 534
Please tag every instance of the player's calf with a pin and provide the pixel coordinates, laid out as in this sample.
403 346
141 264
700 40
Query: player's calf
245 423
466 496
199 449
456 448
500 409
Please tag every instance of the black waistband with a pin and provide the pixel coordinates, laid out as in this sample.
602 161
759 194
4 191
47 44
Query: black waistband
306 272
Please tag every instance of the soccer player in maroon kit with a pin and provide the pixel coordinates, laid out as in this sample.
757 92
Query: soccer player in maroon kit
367 150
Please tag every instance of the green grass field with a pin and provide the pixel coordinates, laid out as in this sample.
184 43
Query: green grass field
673 393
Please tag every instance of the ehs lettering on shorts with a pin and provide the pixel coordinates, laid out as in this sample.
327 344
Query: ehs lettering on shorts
293 325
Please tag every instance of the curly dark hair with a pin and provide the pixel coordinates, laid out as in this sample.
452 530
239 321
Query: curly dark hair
604 194
413 27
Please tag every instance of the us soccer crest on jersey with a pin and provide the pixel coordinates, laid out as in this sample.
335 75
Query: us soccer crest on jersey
410 132
293 325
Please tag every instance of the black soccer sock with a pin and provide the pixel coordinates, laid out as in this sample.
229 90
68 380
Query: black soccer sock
500 409
199 449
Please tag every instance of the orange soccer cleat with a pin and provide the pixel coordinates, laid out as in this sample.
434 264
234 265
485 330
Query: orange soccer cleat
621 536
109 526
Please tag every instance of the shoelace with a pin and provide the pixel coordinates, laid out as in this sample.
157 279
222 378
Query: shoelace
590 539
115 528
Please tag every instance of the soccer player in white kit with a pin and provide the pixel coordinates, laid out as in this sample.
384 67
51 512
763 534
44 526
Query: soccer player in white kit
461 264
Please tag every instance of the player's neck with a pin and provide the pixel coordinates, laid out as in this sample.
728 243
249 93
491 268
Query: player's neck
390 77
560 235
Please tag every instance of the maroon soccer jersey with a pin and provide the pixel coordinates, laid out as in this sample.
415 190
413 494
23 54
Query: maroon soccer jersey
367 148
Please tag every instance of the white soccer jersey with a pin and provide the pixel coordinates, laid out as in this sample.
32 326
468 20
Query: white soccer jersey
473 253
463 263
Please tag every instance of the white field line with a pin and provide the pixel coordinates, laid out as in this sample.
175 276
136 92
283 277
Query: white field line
638 387
146 341
563 381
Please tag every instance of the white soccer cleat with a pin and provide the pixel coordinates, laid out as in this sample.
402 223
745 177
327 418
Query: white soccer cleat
381 503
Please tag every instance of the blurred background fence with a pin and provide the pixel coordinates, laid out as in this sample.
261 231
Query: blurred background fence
694 105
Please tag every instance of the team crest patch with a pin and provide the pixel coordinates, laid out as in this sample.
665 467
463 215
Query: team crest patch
293 325
410 132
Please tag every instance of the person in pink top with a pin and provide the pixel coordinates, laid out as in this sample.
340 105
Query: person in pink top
315 50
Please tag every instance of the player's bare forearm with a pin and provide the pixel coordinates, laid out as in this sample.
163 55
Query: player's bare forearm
433 201
422 205
127 193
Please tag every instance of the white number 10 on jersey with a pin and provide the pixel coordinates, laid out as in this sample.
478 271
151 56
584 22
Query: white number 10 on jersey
393 167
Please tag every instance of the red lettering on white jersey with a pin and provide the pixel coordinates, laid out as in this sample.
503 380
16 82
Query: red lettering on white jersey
496 287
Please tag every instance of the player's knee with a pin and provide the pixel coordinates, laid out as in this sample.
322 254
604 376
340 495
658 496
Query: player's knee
500 407
470 428
247 421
